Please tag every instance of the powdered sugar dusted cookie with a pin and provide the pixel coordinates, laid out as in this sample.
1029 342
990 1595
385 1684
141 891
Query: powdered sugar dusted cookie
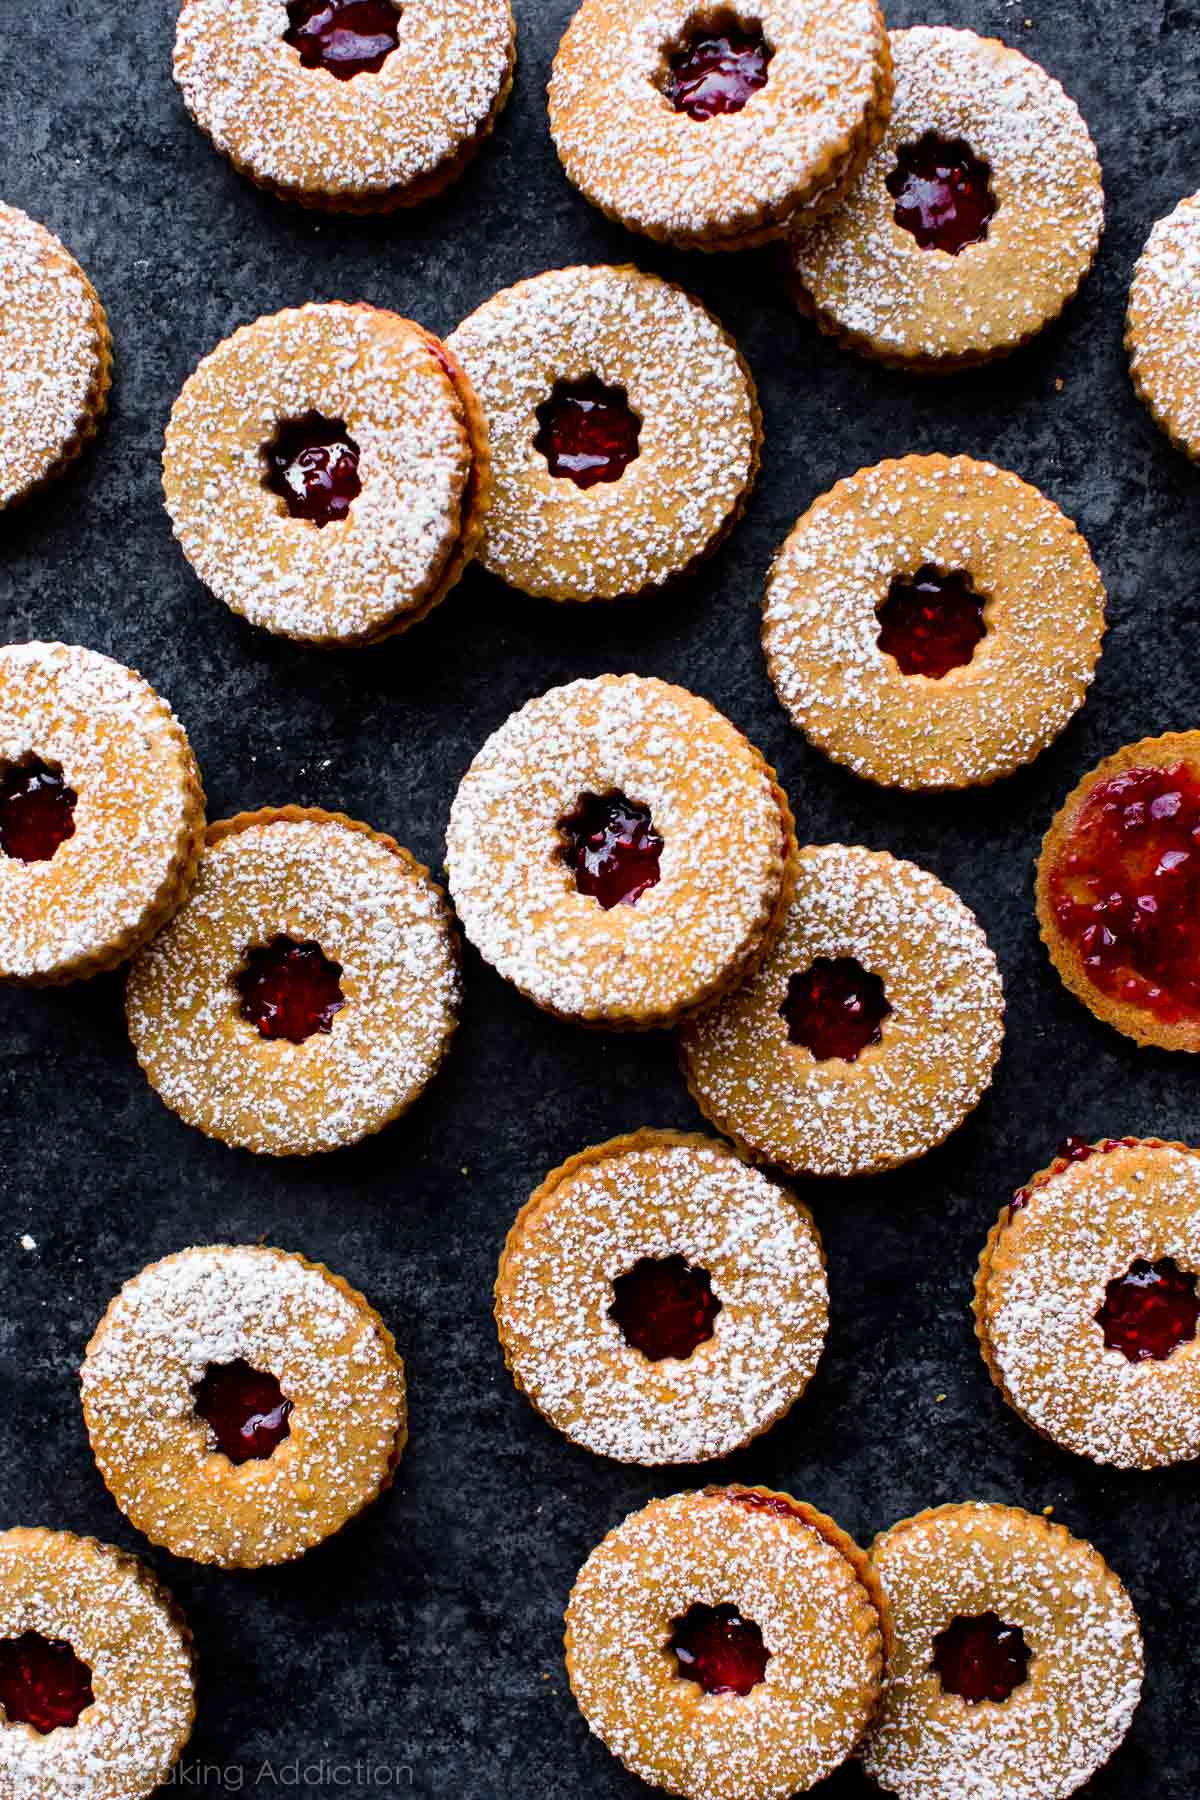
1161 333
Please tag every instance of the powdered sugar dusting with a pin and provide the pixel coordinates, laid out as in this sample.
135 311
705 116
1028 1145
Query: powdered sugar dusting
698 449
1162 339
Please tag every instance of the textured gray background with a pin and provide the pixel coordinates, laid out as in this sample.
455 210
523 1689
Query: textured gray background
429 1634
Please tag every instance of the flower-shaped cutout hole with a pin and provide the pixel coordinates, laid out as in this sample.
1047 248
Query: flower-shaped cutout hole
835 1009
611 845
981 1658
717 64
289 990
943 194
43 1683
37 810
244 1408
344 37
587 432
719 1649
931 622
312 465
1150 1311
664 1307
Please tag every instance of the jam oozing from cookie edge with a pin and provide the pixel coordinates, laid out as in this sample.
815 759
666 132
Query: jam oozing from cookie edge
346 37
664 1307
613 848
37 811
289 990
931 622
943 193
312 464
835 1008
716 68
718 1649
245 1409
981 1658
587 432
1150 1311
43 1683
1125 889
1073 1150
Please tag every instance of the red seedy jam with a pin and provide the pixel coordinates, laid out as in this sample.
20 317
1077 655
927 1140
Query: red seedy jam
587 432
719 1650
1150 1311
246 1410
1126 890
1073 1150
37 811
612 846
42 1682
943 194
312 464
835 1009
931 623
981 1658
717 72
347 37
290 990
664 1307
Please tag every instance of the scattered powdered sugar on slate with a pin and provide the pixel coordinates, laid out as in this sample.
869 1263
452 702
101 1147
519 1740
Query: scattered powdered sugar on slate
903 1095
113 1615
657 1200
372 911
803 1594
712 802
1084 1227
304 130
1164 303
1084 1679
684 378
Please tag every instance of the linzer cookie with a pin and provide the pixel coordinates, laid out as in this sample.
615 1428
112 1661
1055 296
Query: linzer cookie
55 354
1118 891
97 1692
1017 1662
702 128
975 220
727 1645
869 1032
1161 333
101 812
619 852
306 994
624 426
243 1404
661 1302
933 623
1086 1306
356 105
326 471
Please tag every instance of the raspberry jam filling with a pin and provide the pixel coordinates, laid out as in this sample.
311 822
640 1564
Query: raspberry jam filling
943 194
716 71
42 1682
664 1307
1073 1150
290 990
1126 889
245 1410
718 1649
772 1503
612 846
347 37
37 811
981 1658
835 1009
1149 1311
312 464
931 623
587 432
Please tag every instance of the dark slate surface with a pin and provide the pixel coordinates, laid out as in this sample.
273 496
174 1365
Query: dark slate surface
428 1637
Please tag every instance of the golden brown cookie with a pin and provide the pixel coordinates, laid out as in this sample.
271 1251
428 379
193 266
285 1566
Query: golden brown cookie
1161 335
975 220
727 1645
869 1032
619 852
55 357
659 1301
1017 1663
327 471
306 994
933 622
353 105
1118 891
243 1404
1086 1306
712 130
624 426
101 812
97 1687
